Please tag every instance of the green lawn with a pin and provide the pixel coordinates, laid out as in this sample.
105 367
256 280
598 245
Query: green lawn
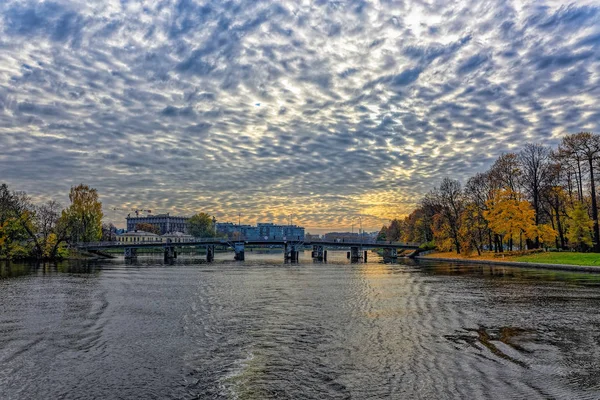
561 258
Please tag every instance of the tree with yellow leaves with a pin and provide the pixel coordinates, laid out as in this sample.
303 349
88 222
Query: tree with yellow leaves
84 215
580 228
511 217
473 229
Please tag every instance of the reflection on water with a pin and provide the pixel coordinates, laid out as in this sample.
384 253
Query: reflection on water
16 269
265 329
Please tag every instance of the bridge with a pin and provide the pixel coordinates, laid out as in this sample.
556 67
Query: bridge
291 247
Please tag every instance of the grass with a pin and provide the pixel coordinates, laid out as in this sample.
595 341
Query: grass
564 257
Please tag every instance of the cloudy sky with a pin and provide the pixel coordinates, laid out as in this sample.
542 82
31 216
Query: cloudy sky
322 109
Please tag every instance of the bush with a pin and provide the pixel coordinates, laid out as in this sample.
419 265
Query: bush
427 246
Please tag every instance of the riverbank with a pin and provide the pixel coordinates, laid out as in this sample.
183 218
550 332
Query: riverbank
566 261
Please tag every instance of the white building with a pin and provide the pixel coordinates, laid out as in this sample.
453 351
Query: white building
177 237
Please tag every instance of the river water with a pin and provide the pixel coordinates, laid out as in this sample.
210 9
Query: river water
262 329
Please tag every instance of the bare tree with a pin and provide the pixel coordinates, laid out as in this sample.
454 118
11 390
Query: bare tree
52 229
534 160
451 201
506 172
479 190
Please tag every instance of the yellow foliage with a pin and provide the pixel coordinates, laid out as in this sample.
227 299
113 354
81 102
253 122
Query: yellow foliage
546 234
509 216
441 234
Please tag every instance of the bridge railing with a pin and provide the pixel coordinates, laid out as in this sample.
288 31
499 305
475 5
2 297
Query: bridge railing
244 239
365 241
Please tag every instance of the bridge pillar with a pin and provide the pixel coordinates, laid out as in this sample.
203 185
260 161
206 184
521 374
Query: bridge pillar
239 251
365 256
318 252
354 254
210 253
290 252
170 252
130 252
390 253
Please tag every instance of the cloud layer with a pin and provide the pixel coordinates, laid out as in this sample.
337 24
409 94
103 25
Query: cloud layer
323 109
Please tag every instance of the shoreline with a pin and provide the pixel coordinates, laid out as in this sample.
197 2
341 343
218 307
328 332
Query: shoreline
519 264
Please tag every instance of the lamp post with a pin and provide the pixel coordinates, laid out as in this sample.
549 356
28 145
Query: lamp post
360 229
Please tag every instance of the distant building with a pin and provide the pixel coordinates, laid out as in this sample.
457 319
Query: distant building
308 236
262 231
148 237
165 223
138 237
281 232
177 237
230 229
341 236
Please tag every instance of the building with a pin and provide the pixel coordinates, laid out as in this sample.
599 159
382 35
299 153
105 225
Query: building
281 232
262 231
229 229
177 237
138 237
148 237
165 222
308 236
341 236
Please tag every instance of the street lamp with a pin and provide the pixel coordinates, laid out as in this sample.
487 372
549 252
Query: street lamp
360 229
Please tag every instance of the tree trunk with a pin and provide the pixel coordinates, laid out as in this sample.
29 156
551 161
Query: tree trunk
580 181
520 241
561 234
594 208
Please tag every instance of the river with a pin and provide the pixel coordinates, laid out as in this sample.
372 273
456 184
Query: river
262 329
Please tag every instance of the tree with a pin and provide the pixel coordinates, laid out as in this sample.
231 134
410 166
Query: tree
84 215
580 225
506 172
394 230
51 229
109 232
546 234
16 212
585 146
451 201
382 235
27 230
416 227
511 217
146 227
534 160
201 225
473 229
478 191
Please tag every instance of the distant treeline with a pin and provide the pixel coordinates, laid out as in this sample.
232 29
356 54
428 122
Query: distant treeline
538 197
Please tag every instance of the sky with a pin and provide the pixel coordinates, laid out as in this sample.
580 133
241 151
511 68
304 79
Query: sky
336 112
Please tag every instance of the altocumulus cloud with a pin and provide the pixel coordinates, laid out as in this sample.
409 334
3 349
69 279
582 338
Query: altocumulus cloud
364 105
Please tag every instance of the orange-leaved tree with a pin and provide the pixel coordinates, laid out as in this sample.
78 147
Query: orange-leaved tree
511 217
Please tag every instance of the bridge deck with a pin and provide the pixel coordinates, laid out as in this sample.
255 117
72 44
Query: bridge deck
226 242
